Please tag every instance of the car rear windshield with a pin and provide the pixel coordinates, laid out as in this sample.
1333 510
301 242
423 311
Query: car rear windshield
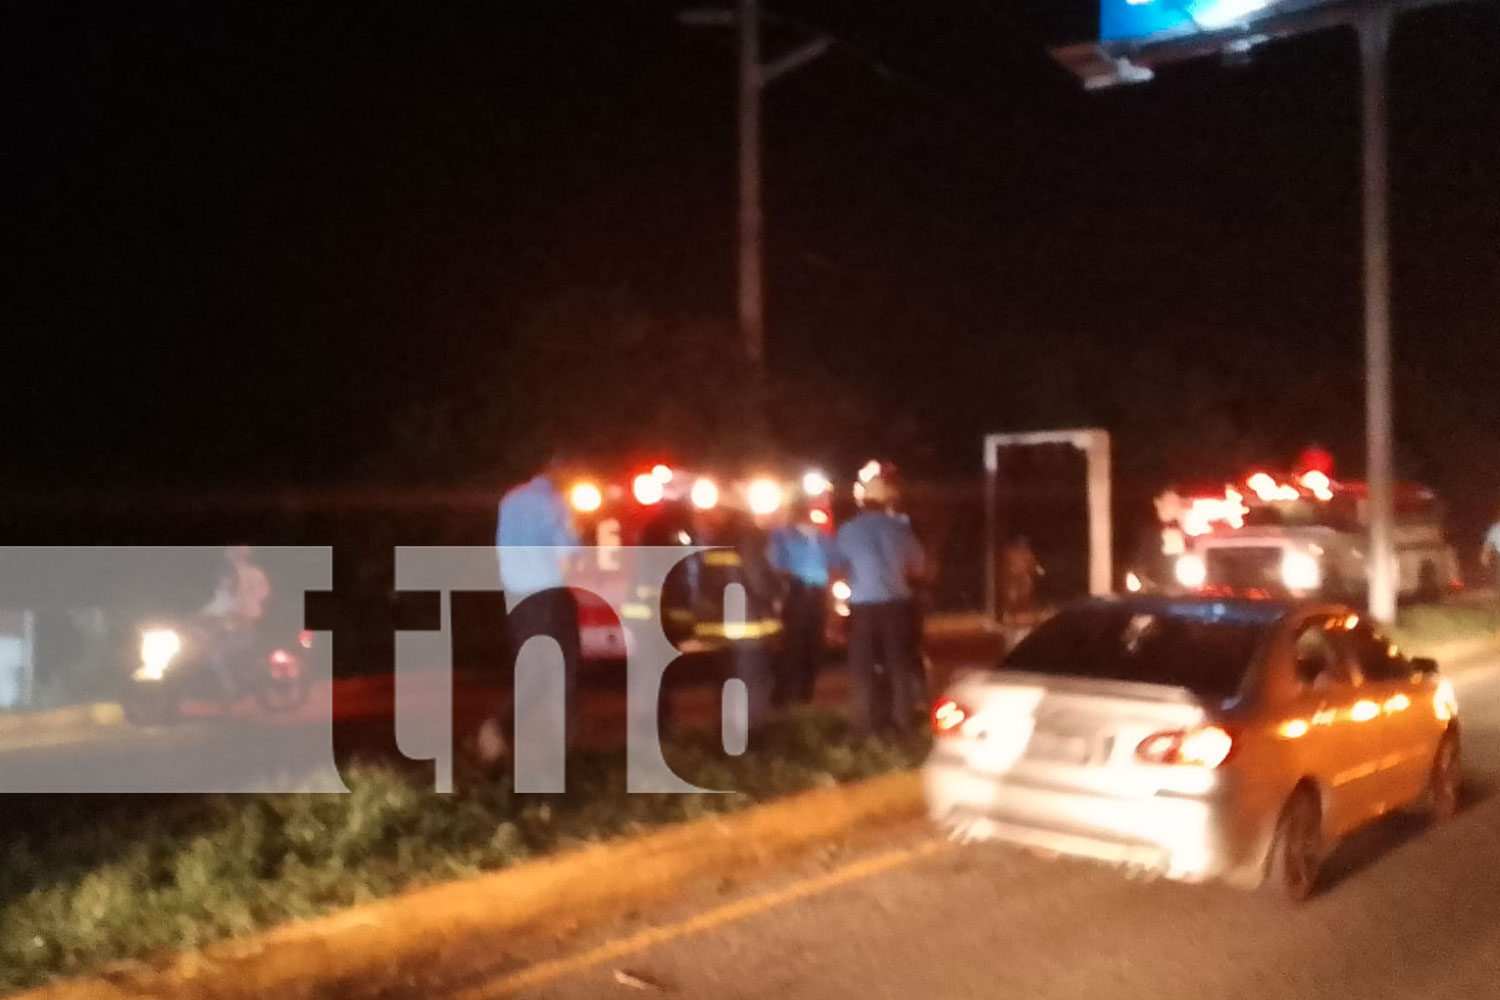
1206 648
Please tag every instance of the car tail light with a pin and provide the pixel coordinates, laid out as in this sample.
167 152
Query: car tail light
947 716
1208 746
304 638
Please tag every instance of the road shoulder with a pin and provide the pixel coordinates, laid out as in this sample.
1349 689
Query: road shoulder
394 939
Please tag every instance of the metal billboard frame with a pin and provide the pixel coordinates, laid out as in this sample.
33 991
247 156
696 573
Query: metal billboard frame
1100 64
1094 442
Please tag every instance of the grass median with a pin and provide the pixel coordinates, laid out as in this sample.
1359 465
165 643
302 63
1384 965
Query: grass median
1425 626
141 879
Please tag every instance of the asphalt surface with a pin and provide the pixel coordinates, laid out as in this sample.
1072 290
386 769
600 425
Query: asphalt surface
1408 911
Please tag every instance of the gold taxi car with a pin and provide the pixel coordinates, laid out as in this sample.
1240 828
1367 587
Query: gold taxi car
1194 738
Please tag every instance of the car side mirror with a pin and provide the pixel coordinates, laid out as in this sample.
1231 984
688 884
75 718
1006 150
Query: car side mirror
1424 665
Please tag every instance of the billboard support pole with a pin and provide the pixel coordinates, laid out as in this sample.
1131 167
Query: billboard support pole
1374 36
991 530
1101 538
1118 59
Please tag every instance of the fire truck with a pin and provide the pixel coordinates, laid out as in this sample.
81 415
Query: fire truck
648 506
1293 534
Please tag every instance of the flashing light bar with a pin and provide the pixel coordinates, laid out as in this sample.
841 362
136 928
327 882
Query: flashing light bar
586 497
705 494
763 496
815 483
648 489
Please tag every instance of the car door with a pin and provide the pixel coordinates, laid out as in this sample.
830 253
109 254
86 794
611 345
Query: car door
1410 737
1342 747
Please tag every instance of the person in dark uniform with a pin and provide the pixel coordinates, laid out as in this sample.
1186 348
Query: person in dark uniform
748 634
695 609
802 554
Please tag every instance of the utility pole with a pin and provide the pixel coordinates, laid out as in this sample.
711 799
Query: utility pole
751 298
1374 28
753 77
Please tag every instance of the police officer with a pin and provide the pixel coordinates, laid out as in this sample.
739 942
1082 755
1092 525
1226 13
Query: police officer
535 539
882 557
802 554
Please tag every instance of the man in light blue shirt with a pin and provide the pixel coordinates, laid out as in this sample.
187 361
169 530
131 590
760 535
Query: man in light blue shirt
882 557
802 553
534 535
534 538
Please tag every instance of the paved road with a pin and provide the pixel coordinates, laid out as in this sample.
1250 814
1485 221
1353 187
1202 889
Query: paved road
1411 912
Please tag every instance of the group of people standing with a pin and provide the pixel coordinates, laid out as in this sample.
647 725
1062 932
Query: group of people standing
786 572
878 555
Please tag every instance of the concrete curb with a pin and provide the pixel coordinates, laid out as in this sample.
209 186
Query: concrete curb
99 713
391 938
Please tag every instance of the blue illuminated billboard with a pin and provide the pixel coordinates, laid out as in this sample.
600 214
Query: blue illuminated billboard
1141 20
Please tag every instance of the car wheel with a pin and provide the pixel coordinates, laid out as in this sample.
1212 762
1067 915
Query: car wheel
1297 849
1445 781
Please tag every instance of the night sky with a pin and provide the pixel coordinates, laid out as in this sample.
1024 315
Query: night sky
242 235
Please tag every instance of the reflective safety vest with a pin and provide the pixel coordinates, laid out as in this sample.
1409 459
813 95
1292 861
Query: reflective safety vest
737 591
719 596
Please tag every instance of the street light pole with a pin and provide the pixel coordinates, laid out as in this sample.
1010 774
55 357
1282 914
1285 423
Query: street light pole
1374 27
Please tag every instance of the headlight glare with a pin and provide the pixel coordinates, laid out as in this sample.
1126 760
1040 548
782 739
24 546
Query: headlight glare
1191 572
1300 571
158 648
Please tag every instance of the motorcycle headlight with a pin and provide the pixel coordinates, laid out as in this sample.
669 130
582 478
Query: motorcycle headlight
1300 571
158 648
1191 572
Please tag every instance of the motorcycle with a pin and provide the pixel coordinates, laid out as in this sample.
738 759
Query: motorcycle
174 662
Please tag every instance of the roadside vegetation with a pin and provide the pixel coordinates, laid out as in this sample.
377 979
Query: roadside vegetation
145 878
1424 626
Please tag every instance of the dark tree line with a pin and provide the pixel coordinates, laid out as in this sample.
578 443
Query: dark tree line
600 374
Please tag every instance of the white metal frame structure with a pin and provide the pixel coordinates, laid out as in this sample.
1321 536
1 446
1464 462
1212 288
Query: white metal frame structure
1094 443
